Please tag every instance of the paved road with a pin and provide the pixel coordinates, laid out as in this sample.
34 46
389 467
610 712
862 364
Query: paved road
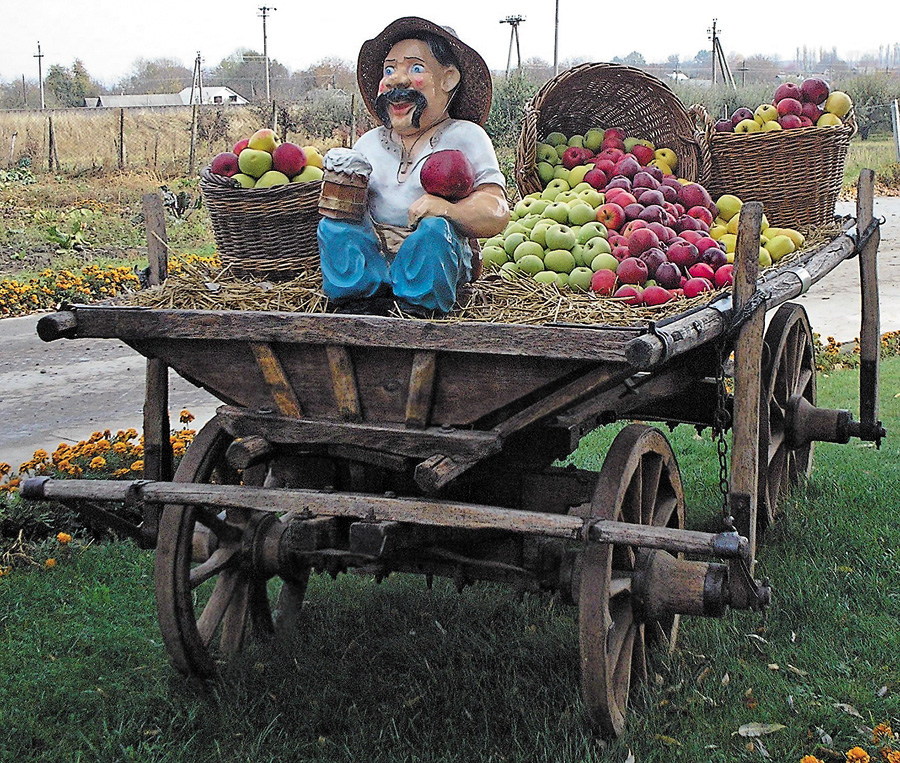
63 391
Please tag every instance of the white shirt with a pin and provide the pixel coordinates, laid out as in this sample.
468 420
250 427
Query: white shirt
389 199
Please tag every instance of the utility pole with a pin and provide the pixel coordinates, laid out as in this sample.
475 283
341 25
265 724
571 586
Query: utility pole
39 56
197 80
264 13
513 22
718 56
556 41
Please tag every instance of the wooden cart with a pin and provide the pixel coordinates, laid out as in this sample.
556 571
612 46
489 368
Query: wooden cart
385 445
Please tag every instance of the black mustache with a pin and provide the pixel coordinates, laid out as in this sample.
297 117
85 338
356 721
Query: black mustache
400 95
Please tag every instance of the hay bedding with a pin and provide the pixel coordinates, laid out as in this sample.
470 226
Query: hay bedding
200 286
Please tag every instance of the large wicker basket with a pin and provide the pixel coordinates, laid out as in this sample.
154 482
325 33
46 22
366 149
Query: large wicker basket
607 95
263 232
796 174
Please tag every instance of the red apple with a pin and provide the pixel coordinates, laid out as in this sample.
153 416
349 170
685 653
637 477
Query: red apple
632 225
644 179
619 181
740 115
225 164
288 158
724 275
628 166
620 252
448 174
642 239
811 111
696 286
683 254
789 106
701 213
632 270
612 142
663 232
618 132
611 215
787 90
644 154
613 154
603 282
790 121
240 145
631 295
694 195
814 90
573 156
656 295
653 213
633 211
618 195
701 270
606 166
668 275
692 236
806 122
653 258
596 178
713 256
649 196
724 125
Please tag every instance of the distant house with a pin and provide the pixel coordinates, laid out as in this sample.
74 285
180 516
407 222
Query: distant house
133 101
212 96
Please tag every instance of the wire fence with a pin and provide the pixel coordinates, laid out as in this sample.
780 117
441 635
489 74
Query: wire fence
167 140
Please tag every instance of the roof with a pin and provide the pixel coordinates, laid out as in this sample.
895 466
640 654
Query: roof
126 101
210 94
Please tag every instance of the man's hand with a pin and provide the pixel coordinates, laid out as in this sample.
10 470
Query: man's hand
482 213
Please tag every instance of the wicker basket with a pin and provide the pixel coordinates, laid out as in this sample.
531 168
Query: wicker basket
796 174
607 95
263 232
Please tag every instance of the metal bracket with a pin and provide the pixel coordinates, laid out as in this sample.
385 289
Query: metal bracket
803 275
861 239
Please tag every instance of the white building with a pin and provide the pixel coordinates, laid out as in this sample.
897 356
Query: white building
212 96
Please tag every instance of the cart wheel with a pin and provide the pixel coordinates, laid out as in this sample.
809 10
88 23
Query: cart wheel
789 368
640 483
209 588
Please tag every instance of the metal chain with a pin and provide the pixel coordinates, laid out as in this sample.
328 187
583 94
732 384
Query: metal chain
721 422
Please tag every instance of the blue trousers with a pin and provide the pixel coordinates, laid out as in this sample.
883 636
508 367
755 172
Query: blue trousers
431 263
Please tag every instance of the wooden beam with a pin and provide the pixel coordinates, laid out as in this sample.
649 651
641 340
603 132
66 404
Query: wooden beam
343 380
279 386
421 389
870 328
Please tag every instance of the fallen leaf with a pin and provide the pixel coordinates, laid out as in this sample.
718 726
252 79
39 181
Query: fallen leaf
797 671
849 709
726 679
703 674
630 758
793 637
882 691
667 740
759 729
824 737
762 750
790 701
773 666
754 637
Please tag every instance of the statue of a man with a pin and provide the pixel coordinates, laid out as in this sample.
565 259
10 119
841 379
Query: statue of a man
431 92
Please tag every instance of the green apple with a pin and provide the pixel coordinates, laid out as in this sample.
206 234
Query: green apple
272 178
728 205
562 279
546 276
829 120
546 153
263 140
494 256
510 271
560 237
576 140
580 279
559 261
581 213
593 139
493 241
562 173
604 261
246 181
592 230
561 149
557 139
592 196
513 240
309 173
566 197
558 211
578 254
514 227
582 186
526 248
545 172
553 189
778 246
531 264
254 162
530 206
539 232
529 221
595 247
765 259
630 143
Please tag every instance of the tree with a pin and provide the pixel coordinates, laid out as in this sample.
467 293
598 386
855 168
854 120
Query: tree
244 71
69 87
158 75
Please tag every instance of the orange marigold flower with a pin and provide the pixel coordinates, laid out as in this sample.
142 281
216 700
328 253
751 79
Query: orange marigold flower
130 434
50 563
63 538
857 755
882 731
185 417
96 436
5 468
137 466
120 472
40 455
119 447
810 759
891 756
98 463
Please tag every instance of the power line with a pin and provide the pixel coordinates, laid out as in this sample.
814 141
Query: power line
513 22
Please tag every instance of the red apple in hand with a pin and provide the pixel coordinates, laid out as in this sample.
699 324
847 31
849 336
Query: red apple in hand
448 174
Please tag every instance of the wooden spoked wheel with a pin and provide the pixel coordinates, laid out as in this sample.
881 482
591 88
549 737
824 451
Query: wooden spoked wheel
640 483
788 369
211 589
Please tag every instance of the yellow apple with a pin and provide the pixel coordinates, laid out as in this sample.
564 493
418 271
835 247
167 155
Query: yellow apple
310 172
728 205
771 126
313 156
246 181
829 120
272 178
838 103
577 173
668 156
778 247
263 140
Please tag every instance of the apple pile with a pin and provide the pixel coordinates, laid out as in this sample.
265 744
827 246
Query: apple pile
811 103
647 239
263 161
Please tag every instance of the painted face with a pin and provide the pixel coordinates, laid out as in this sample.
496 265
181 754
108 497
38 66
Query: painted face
415 88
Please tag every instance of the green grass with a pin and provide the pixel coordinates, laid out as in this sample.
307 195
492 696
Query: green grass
877 153
393 672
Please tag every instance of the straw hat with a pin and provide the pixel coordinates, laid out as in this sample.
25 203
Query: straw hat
472 100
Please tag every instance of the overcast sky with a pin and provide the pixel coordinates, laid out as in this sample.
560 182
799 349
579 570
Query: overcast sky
108 36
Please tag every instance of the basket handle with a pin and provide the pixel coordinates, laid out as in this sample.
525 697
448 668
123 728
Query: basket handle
703 121
208 176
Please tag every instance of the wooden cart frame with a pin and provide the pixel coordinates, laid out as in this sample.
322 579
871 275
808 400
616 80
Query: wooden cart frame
382 445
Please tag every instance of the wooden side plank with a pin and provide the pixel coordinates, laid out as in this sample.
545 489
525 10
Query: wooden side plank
870 328
279 386
343 380
421 389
